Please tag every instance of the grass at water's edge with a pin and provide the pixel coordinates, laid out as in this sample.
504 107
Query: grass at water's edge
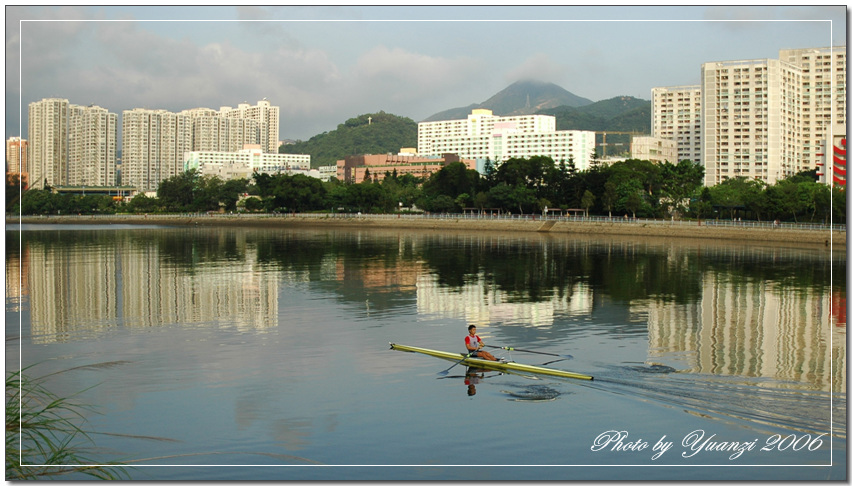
44 435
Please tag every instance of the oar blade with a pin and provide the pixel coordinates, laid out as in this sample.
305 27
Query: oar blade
444 373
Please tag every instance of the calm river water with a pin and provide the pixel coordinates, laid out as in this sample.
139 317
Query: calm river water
238 353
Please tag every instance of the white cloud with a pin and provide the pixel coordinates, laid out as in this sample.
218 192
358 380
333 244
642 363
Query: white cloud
405 76
321 73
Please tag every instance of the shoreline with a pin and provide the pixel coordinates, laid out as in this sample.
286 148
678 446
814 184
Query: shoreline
687 230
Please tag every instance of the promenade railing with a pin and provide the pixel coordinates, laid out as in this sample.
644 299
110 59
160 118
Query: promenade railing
493 217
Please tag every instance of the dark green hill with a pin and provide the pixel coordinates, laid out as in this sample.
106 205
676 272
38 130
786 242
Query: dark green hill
620 114
379 133
373 133
623 113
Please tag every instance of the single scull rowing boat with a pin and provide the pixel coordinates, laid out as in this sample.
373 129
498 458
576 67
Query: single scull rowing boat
487 364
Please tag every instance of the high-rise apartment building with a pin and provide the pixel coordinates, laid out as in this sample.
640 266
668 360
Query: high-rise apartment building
154 142
48 142
483 135
823 98
265 115
214 133
752 120
16 160
91 146
152 146
677 117
70 144
765 119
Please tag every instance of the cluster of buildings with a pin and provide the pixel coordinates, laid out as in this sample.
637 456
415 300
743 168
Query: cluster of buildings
73 145
764 119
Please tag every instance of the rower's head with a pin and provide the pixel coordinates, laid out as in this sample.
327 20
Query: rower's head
471 329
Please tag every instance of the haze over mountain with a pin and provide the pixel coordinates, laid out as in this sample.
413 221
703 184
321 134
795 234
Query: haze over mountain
520 98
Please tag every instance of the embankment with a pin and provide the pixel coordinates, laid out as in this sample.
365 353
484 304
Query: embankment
690 230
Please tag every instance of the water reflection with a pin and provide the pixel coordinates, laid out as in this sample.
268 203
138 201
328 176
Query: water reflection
751 327
714 309
81 280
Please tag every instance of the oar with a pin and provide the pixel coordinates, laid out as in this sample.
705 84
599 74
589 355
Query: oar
507 348
443 373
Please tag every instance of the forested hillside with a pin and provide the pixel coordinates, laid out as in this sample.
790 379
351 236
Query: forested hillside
372 133
623 113
379 133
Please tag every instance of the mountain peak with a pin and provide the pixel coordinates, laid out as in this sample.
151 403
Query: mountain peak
523 97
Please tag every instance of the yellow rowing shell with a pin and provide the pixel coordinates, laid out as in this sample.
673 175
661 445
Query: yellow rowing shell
494 365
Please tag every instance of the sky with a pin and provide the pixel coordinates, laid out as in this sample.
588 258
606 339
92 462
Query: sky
325 64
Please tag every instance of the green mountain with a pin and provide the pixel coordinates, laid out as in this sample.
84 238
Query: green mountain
622 113
373 133
379 133
520 98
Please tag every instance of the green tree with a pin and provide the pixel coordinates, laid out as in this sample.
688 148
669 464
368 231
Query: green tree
838 204
609 196
230 191
13 190
206 193
463 200
442 204
481 200
679 182
629 196
588 201
38 201
703 206
296 193
143 204
453 180
524 199
500 196
368 197
633 202
754 198
812 197
177 193
253 204
729 194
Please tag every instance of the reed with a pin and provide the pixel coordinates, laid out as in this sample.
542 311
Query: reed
44 435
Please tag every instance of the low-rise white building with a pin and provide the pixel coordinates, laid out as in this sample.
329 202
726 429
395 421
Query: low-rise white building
657 150
484 135
243 163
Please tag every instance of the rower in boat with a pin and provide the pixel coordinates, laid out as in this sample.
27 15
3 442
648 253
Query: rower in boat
488 364
474 345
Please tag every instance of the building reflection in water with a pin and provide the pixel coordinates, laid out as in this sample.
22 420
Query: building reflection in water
741 326
753 329
79 290
737 326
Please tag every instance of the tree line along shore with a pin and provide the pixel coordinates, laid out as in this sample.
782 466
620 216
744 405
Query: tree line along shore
745 231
